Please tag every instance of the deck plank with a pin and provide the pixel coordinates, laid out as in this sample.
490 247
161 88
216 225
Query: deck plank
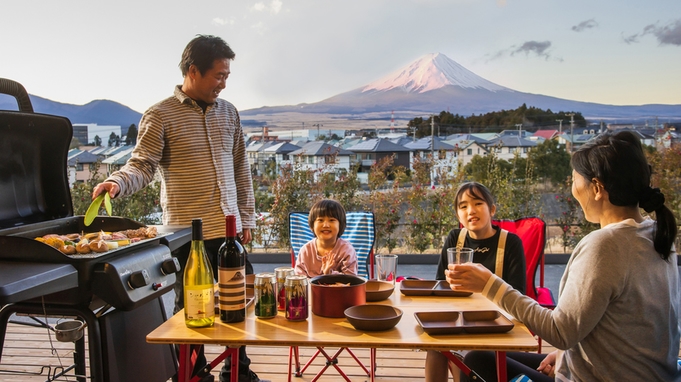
28 349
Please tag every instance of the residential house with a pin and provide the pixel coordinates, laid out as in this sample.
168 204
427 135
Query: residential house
321 156
542 135
256 156
444 155
118 159
370 151
279 154
465 150
81 165
506 146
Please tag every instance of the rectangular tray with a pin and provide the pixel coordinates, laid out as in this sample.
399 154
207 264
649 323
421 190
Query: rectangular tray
429 288
472 322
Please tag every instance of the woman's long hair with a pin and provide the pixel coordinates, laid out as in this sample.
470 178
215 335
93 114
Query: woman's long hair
617 160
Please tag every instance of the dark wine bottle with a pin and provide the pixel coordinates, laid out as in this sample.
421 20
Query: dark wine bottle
232 275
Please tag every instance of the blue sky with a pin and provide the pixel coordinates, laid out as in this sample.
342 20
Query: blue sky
293 51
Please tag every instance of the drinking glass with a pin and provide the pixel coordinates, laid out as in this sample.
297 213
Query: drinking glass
386 268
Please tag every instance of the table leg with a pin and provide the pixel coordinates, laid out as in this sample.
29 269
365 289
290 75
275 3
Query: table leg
187 363
372 364
185 367
501 366
234 352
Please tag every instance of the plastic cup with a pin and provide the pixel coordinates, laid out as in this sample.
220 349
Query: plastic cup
386 268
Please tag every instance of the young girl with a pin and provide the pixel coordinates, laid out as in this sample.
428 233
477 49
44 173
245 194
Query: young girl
327 253
618 306
492 247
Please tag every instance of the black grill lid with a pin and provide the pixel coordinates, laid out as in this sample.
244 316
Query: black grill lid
33 153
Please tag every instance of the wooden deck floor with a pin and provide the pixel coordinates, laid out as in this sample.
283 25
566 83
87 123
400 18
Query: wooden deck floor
28 357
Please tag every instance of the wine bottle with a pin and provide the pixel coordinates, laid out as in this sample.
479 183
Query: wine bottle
199 294
232 275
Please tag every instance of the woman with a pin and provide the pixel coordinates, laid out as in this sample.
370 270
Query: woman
617 312
492 247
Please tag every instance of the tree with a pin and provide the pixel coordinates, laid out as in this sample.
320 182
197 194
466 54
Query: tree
75 143
551 161
131 136
98 140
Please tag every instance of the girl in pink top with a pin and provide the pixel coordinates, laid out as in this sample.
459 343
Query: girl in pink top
327 253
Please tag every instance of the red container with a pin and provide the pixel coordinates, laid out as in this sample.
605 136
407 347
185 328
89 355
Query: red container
332 294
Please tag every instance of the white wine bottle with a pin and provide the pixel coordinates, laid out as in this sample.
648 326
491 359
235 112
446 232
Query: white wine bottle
199 292
232 275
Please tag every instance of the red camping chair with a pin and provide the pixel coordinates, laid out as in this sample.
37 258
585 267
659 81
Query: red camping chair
532 232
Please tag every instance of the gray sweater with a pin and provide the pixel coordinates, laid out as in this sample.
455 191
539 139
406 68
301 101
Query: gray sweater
618 309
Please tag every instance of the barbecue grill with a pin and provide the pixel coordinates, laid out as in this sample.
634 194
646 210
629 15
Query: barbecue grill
117 293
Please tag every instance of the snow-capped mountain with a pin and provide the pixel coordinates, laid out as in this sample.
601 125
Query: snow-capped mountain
433 71
435 83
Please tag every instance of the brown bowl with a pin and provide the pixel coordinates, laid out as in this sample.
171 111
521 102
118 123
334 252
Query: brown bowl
332 294
378 290
373 317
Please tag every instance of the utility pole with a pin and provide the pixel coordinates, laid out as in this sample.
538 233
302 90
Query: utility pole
560 126
432 150
317 125
432 136
572 136
519 126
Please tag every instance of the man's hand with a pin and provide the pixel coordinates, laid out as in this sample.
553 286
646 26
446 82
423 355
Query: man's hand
246 236
112 187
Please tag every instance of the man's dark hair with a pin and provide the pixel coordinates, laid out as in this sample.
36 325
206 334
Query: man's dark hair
202 52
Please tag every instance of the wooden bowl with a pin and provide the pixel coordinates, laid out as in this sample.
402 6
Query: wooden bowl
378 290
373 317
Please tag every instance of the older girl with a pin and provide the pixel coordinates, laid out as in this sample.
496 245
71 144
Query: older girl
497 250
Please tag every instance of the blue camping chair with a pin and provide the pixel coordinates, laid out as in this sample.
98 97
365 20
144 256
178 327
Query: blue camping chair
360 232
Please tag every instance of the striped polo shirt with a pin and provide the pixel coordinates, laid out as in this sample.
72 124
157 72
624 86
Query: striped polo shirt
201 158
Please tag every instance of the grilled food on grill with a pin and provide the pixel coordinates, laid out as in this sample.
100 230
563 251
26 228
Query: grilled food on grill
96 241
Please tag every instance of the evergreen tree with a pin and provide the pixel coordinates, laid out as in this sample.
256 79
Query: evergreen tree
131 136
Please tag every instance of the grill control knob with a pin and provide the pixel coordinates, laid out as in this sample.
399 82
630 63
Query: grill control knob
170 266
139 279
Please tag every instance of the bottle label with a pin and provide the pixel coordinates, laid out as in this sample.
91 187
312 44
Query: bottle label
232 286
199 302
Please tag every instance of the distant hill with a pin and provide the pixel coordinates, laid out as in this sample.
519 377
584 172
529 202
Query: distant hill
437 83
101 112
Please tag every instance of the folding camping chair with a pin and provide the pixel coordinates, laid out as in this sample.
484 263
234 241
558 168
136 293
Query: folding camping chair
360 232
532 232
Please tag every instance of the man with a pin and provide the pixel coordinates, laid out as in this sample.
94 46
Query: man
196 142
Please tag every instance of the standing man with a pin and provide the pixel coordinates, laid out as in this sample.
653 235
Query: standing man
195 141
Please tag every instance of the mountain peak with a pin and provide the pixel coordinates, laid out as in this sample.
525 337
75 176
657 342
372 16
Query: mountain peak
432 71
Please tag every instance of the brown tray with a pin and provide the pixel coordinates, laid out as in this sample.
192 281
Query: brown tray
483 321
429 288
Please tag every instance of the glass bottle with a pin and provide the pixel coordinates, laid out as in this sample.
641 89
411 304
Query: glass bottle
232 275
199 294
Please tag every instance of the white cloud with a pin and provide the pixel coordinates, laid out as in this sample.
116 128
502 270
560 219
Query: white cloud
274 7
221 21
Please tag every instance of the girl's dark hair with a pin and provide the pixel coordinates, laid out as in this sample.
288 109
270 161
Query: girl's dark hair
617 161
202 52
475 190
328 208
